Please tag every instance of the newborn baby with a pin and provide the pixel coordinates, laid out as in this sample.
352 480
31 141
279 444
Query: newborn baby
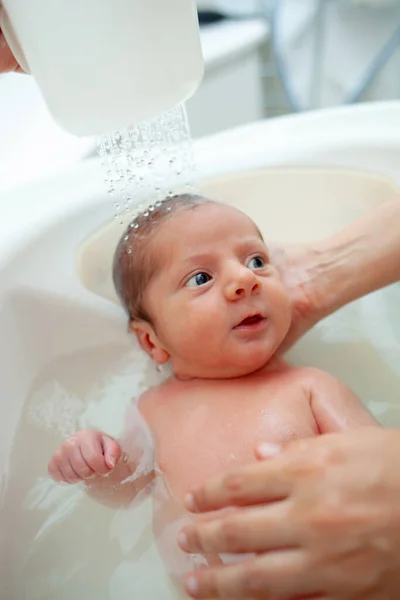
202 295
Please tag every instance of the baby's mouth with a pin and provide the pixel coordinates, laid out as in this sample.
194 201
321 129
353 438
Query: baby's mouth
250 321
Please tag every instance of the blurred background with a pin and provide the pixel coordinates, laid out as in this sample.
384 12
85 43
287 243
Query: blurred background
263 58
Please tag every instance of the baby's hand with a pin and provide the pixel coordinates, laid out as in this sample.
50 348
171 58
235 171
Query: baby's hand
84 455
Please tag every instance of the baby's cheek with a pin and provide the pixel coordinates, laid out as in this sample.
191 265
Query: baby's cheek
205 325
280 303
185 329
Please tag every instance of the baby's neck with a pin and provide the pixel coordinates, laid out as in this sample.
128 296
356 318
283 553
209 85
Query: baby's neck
275 363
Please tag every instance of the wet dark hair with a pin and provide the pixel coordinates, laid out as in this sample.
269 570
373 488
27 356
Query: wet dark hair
134 264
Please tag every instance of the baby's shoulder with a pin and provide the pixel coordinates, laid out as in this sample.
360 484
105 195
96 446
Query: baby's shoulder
311 377
157 393
150 396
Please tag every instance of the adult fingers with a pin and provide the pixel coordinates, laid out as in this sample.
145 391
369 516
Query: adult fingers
253 484
273 576
246 530
8 61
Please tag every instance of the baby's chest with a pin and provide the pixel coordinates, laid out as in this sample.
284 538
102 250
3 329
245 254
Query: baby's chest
206 434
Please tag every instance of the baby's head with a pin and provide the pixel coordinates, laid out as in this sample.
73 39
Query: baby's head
195 279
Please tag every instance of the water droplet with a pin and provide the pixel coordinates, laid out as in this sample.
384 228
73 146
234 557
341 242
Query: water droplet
146 214
151 208
129 250
128 156
158 204
126 238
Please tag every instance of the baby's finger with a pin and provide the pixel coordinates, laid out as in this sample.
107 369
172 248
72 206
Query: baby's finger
92 452
55 472
112 451
69 473
60 468
80 466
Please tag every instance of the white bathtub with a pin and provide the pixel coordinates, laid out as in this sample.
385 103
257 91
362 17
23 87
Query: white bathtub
67 361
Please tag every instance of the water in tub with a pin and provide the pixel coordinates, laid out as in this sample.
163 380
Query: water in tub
67 545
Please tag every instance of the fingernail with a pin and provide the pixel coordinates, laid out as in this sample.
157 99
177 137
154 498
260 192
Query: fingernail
266 450
192 585
111 461
183 541
190 502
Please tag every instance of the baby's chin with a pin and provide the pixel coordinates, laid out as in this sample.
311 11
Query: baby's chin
251 363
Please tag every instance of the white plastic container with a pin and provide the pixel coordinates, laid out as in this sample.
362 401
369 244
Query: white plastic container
106 64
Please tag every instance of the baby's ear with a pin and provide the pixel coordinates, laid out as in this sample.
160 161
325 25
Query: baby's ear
148 341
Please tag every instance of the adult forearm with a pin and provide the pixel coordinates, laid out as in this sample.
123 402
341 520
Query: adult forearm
360 259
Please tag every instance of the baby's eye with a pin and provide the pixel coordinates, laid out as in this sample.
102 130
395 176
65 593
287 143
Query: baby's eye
256 263
198 279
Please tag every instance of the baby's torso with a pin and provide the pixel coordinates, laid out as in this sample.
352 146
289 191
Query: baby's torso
202 429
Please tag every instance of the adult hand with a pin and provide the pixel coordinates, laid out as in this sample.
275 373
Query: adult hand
295 264
324 276
8 62
322 517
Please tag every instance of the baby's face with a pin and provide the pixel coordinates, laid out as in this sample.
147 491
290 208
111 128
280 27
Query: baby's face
218 306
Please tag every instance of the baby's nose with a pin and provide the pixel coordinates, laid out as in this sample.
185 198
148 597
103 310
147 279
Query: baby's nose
245 284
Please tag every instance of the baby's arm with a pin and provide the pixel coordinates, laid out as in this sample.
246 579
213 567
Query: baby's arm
97 460
334 406
114 473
